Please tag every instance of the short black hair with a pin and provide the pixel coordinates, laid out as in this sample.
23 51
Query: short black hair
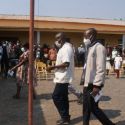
92 31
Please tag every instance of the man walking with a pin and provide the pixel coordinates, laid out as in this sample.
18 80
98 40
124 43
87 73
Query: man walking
63 76
94 78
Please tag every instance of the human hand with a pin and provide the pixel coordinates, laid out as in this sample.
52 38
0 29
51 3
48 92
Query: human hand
95 91
10 73
12 69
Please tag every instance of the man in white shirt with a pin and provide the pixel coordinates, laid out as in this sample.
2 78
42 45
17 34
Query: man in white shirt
71 87
64 72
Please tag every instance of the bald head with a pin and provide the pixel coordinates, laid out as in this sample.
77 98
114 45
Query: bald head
91 34
91 31
60 35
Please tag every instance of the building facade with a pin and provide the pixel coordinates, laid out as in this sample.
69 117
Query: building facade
13 28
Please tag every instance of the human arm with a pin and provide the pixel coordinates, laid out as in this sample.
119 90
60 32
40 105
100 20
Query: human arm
61 66
100 69
19 64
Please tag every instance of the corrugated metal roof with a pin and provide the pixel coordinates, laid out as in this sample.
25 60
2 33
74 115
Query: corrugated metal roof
67 19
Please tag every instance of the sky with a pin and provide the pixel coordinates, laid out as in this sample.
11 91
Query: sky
104 9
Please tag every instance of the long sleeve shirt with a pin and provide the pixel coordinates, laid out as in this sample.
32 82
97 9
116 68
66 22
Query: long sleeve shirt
95 65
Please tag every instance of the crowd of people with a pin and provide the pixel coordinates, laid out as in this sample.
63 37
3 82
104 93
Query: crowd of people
10 53
91 55
115 61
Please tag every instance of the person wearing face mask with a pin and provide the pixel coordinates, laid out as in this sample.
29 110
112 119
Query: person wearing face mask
94 78
15 54
81 54
18 50
118 64
52 55
5 60
64 70
22 71
38 54
57 45
71 88
86 42
23 49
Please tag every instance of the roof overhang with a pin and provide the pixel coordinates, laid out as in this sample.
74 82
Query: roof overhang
21 23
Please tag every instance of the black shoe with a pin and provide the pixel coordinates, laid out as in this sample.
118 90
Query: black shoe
64 121
113 123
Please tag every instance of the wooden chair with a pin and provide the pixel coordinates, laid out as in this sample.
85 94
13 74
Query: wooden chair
41 72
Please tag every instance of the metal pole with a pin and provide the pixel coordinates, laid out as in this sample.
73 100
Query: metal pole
31 41
123 41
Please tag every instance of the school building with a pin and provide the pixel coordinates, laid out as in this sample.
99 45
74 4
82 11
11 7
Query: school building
13 28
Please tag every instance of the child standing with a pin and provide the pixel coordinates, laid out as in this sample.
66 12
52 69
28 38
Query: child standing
118 64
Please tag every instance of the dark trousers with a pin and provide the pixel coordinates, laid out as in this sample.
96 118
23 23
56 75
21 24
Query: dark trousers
4 67
60 99
90 106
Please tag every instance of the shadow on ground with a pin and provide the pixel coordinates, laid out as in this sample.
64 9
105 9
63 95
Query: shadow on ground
121 123
76 120
15 112
122 77
46 96
110 113
105 98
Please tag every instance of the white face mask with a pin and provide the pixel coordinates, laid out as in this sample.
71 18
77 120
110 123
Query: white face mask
38 52
22 49
46 55
87 42
17 44
4 44
57 44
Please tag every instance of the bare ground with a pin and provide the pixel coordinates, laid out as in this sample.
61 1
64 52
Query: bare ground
14 112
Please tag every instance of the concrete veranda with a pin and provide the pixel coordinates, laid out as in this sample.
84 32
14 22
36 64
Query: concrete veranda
14 112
